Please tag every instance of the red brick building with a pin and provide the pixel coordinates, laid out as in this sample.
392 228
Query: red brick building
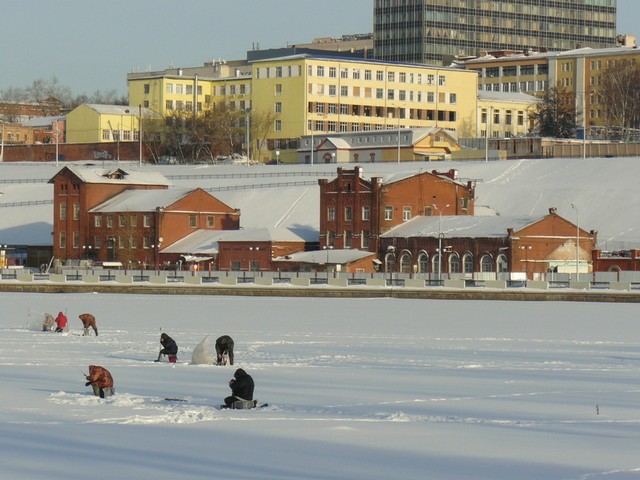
492 244
355 211
128 216
616 261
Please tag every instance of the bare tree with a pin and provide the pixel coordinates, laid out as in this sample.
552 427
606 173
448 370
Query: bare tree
261 125
11 99
49 95
619 92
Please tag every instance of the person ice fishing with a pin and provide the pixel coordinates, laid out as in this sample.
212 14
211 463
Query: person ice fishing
101 381
88 321
169 348
224 345
48 323
61 322
241 391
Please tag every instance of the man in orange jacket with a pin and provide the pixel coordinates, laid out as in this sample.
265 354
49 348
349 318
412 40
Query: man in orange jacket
101 381
88 320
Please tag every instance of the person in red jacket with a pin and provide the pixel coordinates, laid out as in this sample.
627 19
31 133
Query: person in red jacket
61 322
101 381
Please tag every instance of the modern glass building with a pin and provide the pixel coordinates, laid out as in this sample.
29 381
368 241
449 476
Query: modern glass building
433 31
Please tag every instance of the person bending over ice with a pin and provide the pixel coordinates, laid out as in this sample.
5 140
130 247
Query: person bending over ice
224 345
88 321
169 348
101 381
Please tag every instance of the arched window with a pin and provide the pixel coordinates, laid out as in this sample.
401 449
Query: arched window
423 262
405 262
454 263
486 263
389 261
502 263
467 262
435 263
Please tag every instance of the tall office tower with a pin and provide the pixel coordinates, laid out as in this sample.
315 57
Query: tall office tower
434 31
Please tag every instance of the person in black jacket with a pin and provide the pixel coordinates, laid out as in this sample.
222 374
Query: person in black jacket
224 344
241 390
169 348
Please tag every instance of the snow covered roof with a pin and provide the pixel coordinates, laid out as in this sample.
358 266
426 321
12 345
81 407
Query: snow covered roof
206 242
142 200
460 226
130 110
262 235
507 96
130 176
200 242
331 256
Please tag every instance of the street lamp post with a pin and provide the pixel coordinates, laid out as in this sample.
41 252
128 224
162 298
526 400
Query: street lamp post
277 157
526 249
247 134
440 237
577 240
327 248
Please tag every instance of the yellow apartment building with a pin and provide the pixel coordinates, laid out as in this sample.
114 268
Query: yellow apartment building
191 91
504 114
576 71
311 95
92 123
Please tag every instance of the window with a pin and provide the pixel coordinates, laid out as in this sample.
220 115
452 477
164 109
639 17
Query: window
62 242
146 88
348 213
367 74
169 88
97 241
320 71
193 221
453 98
63 211
423 263
380 75
278 107
189 89
133 244
332 72
366 213
406 213
211 221
391 76
122 221
486 263
454 263
344 91
348 238
146 221
133 221
344 73
97 221
467 261
388 213
331 214
106 134
278 126
109 221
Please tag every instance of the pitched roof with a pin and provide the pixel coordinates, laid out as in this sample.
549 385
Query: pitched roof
457 226
130 176
330 256
142 200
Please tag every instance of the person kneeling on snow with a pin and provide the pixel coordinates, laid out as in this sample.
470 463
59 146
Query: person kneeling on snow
224 345
88 321
169 348
101 381
48 323
61 322
241 391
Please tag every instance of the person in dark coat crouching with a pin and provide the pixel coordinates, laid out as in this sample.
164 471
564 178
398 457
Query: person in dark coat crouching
241 391
169 348
101 380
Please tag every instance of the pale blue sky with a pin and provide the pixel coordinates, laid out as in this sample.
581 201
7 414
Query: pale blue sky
90 45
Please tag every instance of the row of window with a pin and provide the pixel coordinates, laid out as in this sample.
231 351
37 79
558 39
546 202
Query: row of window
388 76
516 87
381 93
120 242
454 263
365 212
120 135
126 220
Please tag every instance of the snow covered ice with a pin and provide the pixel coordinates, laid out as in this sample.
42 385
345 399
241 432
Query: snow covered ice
357 389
